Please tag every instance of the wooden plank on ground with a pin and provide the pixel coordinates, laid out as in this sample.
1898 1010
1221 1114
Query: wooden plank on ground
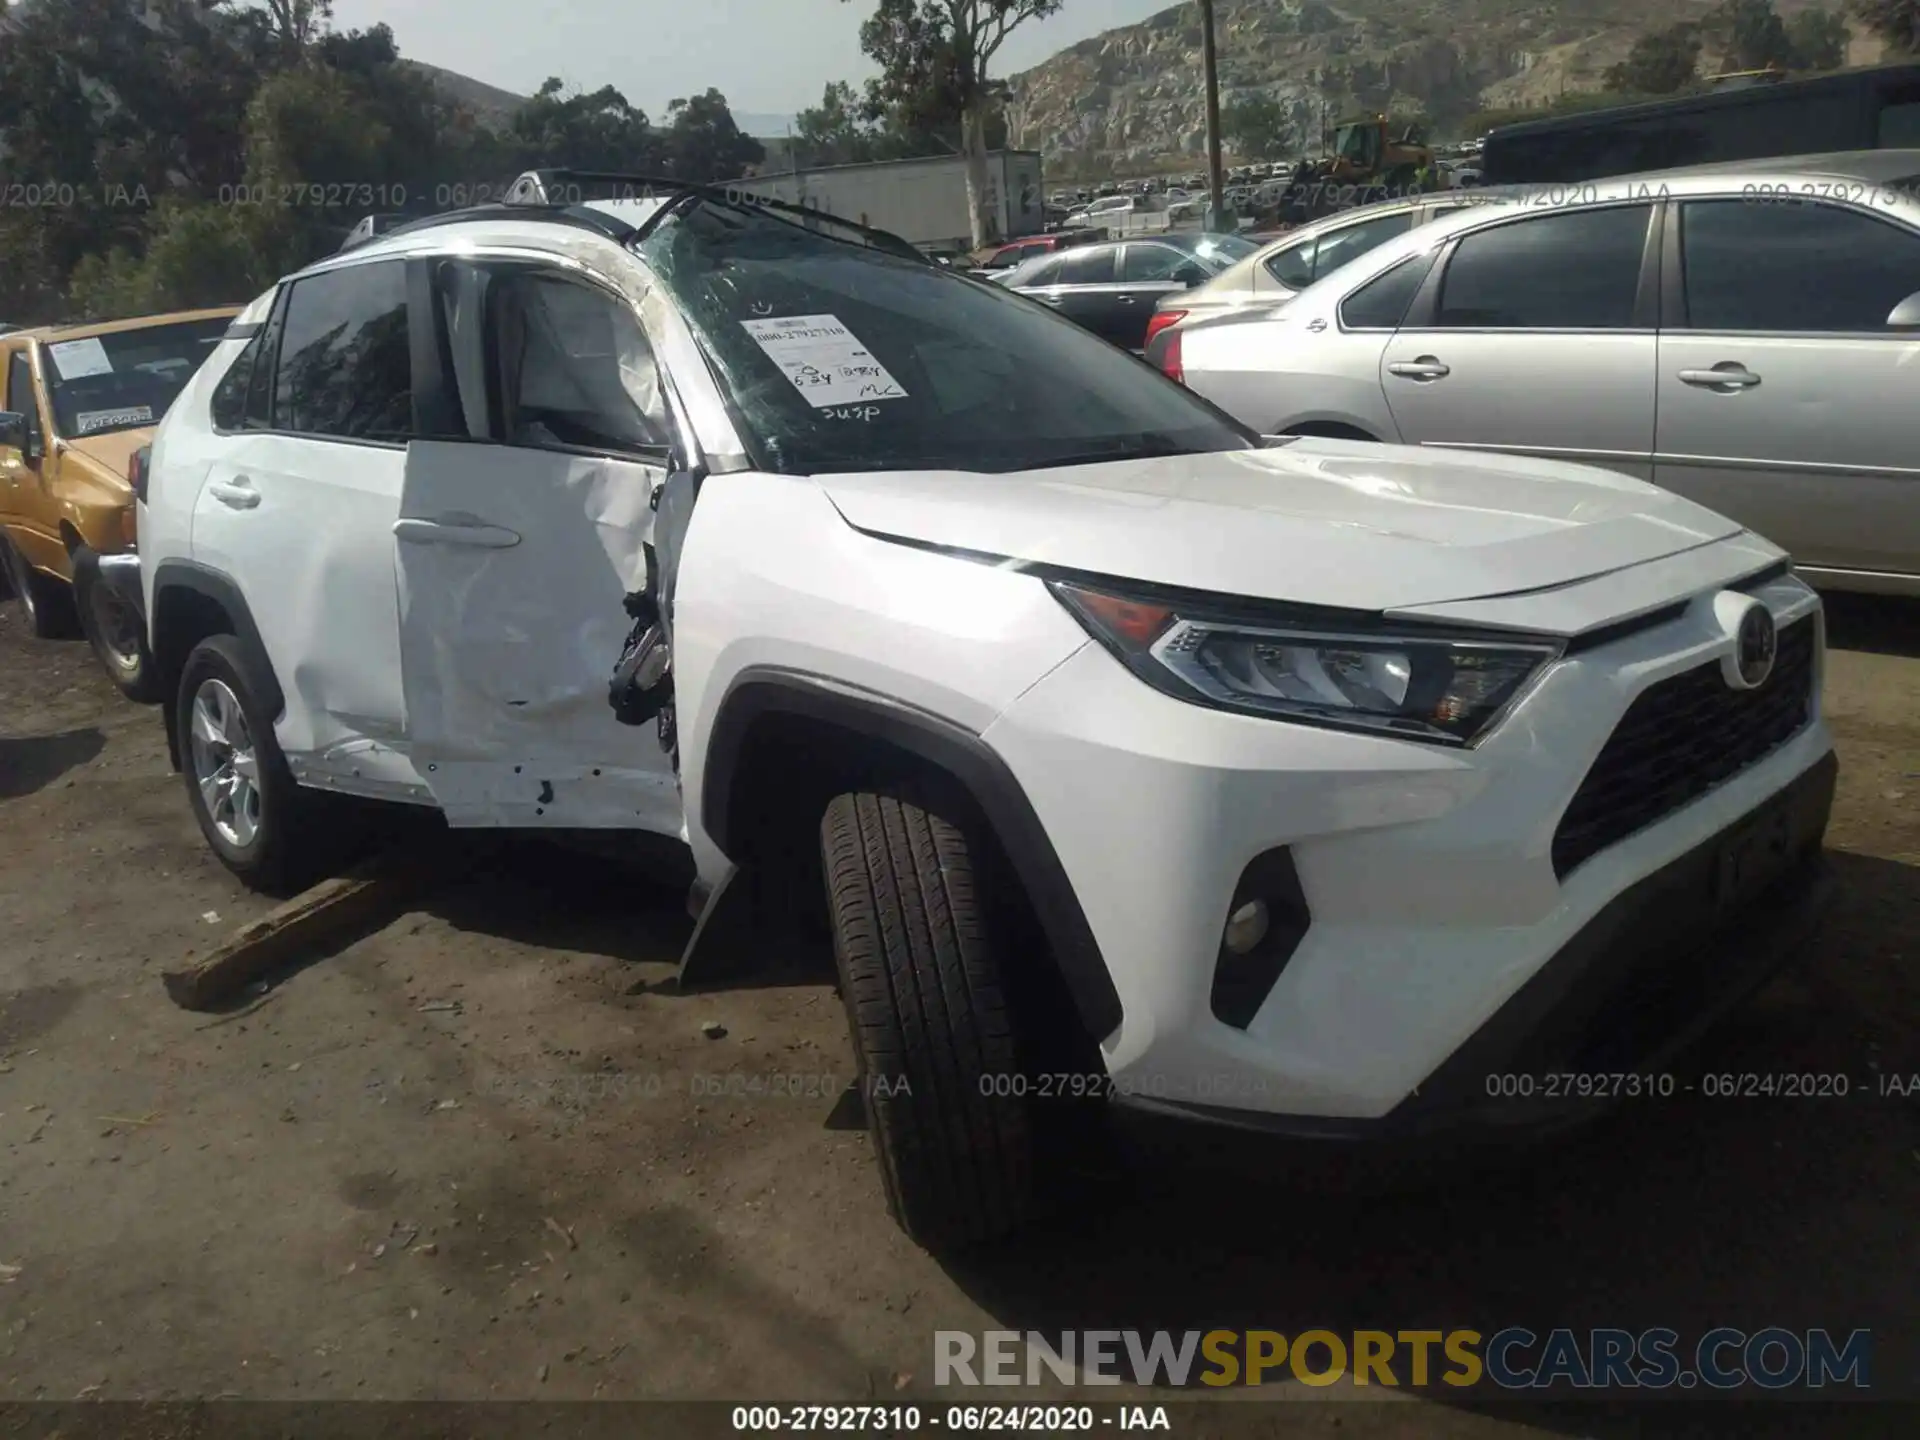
368 895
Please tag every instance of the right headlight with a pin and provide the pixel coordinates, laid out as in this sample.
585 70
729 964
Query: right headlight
1405 682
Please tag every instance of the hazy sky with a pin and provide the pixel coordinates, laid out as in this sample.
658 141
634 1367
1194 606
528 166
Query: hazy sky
764 55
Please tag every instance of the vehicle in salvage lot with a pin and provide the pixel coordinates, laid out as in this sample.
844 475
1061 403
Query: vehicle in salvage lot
1741 334
1271 788
1113 287
80 402
1289 263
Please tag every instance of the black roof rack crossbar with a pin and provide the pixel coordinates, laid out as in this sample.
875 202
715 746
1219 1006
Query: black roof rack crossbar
538 186
578 216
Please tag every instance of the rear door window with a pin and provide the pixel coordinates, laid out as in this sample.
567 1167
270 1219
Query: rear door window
1043 272
1144 263
346 366
1087 267
1577 270
1381 303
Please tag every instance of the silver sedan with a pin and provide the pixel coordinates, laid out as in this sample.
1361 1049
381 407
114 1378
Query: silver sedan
1285 266
1745 334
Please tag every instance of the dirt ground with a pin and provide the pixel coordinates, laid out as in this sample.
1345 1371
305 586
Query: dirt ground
476 1155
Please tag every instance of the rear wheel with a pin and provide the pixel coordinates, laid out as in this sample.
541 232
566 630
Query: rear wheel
46 603
932 1028
118 638
268 831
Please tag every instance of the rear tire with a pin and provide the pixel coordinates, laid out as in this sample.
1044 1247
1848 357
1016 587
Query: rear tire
272 834
46 603
932 1030
116 635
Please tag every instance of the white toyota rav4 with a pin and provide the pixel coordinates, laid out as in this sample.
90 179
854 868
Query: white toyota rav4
1248 789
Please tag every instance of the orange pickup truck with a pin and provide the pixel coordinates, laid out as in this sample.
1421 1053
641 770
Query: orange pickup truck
80 401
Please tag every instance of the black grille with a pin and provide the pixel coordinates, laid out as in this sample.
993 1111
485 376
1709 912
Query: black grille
1678 740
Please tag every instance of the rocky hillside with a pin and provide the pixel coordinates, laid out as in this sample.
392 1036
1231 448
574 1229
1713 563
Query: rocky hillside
491 106
1133 96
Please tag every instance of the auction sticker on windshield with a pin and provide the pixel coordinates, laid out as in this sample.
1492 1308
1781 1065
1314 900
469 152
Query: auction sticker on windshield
80 358
88 421
824 360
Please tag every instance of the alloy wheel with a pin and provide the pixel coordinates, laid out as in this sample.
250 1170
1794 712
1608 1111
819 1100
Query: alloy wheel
225 765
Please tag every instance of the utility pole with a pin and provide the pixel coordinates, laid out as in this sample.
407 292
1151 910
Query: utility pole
1216 182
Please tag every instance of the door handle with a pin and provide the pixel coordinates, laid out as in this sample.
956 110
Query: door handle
438 532
1123 299
1726 377
1426 367
236 494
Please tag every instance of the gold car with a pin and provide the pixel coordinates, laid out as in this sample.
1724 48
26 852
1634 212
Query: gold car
80 401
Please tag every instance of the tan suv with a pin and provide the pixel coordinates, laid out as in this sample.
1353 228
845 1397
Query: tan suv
80 402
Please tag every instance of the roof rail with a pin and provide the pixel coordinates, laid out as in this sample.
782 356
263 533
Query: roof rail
538 187
579 216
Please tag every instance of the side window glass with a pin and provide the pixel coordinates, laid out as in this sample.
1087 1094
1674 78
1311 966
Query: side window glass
1341 246
1578 270
1293 267
1151 262
259 407
1087 267
1381 303
575 369
20 398
1747 266
229 405
346 368
1047 272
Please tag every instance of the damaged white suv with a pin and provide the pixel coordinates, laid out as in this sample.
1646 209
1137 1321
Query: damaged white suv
1244 789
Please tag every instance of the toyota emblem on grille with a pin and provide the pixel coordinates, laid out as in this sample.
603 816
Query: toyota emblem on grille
1755 645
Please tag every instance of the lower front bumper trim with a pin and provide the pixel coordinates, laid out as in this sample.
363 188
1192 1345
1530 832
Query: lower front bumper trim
1654 969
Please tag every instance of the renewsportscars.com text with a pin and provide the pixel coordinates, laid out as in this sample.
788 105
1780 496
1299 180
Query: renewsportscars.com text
1514 1358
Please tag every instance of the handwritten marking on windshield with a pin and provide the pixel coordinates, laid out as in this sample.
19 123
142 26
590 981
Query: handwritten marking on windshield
864 413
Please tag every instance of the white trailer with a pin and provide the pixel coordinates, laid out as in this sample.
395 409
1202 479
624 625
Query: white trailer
923 201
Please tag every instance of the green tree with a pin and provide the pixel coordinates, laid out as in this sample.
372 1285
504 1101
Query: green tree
835 132
297 24
597 131
1659 63
1256 127
1750 35
934 57
1895 23
702 141
1817 40
197 254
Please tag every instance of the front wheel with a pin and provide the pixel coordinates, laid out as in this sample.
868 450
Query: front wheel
932 1029
119 640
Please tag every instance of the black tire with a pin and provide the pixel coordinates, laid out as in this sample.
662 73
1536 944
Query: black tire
121 648
293 838
46 603
931 1026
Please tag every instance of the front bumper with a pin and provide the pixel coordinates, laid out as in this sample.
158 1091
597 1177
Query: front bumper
1597 1025
1424 880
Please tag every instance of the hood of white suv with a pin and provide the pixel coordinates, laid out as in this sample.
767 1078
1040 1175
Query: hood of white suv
1322 522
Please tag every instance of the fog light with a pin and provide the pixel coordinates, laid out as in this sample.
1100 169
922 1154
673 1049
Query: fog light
1247 927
